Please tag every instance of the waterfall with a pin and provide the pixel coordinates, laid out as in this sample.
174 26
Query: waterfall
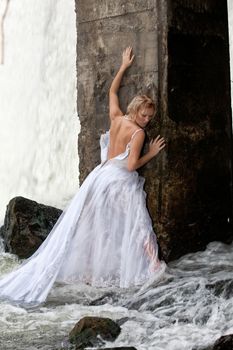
39 124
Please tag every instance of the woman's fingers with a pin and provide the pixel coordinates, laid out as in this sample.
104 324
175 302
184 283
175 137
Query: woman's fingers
161 141
128 51
127 56
157 144
162 146
158 141
132 58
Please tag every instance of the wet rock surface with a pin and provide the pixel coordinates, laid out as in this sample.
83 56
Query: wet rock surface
224 343
93 331
196 185
26 225
119 348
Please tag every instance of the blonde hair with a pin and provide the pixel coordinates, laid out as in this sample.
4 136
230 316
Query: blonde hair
138 102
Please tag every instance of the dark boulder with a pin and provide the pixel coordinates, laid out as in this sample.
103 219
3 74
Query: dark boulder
120 348
26 225
91 331
224 343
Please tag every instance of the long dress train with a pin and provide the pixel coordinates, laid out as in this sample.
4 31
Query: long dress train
104 237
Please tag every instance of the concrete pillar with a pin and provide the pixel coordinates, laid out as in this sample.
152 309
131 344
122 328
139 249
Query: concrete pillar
197 181
182 61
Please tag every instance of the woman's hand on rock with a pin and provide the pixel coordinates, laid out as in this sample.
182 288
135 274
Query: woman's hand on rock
127 57
156 145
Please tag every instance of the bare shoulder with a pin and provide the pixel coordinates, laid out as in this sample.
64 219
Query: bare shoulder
139 132
136 142
137 137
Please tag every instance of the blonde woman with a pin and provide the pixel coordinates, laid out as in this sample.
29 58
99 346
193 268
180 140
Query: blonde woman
125 127
105 236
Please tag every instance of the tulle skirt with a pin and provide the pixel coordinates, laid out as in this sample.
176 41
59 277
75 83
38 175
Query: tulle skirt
103 238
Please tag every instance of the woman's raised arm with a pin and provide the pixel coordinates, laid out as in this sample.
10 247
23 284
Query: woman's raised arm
114 106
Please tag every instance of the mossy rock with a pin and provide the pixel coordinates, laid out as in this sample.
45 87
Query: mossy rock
26 225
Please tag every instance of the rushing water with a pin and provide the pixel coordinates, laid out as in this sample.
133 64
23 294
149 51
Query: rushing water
38 117
190 307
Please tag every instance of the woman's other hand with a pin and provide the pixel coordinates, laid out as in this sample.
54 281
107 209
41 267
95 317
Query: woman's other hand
127 57
156 145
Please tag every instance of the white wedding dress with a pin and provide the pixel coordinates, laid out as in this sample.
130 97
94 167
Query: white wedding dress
103 238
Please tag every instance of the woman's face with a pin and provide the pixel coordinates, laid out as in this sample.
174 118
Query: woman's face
144 116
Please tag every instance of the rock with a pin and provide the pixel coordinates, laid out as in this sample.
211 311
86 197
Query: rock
26 225
224 343
90 331
122 320
120 348
186 70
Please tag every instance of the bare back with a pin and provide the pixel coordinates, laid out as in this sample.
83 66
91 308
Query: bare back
121 131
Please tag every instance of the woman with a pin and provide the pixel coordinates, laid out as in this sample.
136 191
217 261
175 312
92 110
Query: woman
140 111
105 236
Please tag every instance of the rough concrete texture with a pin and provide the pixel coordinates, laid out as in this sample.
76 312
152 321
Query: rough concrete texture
196 190
182 61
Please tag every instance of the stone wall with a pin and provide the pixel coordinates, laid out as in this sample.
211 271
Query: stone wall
197 178
178 45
